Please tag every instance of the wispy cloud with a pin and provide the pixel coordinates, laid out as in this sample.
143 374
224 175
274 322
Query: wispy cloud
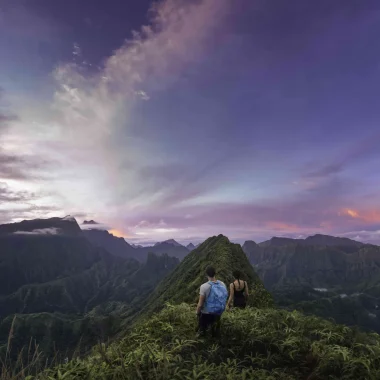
42 231
142 139
92 112
22 167
363 149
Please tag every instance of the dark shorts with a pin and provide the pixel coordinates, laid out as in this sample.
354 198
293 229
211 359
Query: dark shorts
209 321
240 302
240 306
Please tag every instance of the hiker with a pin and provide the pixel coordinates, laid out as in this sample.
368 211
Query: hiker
212 303
238 291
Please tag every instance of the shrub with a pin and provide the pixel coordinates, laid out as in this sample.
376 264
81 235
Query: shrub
255 344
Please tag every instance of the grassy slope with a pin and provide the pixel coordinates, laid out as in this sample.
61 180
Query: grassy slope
256 344
182 285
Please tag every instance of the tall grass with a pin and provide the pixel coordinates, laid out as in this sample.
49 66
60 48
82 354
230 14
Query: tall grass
30 360
255 344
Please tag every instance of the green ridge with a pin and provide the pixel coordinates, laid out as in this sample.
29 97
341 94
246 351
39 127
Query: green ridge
182 285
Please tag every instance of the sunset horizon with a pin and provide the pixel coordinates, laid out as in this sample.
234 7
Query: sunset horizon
189 119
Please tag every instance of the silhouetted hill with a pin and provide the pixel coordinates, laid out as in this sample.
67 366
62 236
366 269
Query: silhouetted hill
279 242
174 250
90 222
332 241
52 226
190 246
113 244
170 241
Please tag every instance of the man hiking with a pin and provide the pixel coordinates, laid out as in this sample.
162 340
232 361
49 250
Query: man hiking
212 303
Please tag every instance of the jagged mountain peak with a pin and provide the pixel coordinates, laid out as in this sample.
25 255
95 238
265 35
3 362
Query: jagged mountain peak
190 246
250 243
169 241
328 240
43 227
86 222
113 244
279 241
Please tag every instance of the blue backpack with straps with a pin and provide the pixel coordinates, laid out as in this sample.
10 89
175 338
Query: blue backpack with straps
217 298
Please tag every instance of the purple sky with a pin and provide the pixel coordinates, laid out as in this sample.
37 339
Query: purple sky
192 118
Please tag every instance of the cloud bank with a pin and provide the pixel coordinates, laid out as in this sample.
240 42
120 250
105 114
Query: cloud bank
152 142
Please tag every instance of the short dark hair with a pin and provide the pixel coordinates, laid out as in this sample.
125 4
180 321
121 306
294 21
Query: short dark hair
210 271
237 274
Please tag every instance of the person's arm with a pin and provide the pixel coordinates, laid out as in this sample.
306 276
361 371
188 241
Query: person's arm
246 292
229 302
200 303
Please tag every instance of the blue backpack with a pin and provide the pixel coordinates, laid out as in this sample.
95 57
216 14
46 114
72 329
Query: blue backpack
217 298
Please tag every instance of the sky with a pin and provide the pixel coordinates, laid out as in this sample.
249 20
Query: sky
190 118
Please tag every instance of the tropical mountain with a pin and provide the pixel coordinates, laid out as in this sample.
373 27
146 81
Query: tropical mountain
170 247
170 241
327 276
190 246
182 285
115 245
118 246
319 261
53 280
256 343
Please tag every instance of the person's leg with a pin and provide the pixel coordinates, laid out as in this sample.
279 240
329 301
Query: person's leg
215 330
204 323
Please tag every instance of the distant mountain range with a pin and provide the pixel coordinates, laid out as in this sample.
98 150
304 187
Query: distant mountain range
61 286
119 247
64 283
327 276
318 261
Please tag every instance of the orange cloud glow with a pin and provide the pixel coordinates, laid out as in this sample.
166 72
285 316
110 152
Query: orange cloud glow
283 226
117 233
352 213
366 216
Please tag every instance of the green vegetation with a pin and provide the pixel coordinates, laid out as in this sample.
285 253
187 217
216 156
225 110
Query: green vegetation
158 342
349 270
319 262
353 310
256 344
182 285
71 303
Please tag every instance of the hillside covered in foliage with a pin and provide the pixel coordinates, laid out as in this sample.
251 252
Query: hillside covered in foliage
255 344
156 332
182 285
327 276
60 291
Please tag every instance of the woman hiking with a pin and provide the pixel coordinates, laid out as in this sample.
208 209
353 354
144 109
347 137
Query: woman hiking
238 291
